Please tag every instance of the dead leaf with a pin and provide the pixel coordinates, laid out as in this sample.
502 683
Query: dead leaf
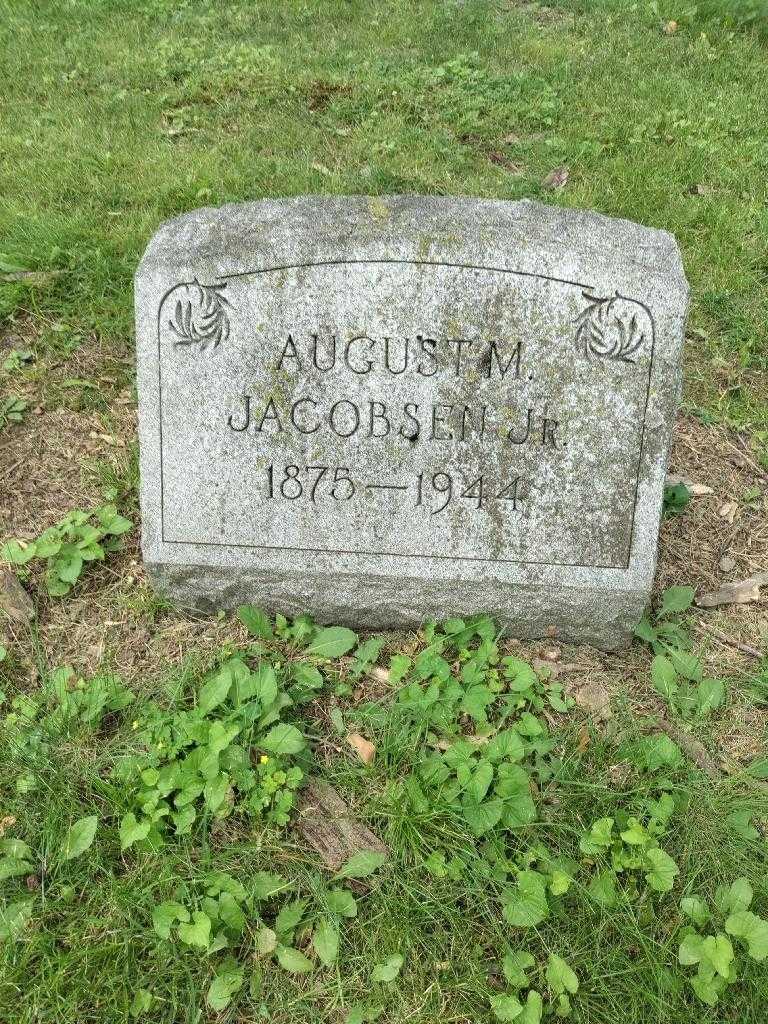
670 28
593 698
6 823
728 511
15 603
742 592
379 673
693 488
366 750
551 653
557 178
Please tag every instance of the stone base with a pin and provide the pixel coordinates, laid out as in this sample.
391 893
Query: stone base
574 615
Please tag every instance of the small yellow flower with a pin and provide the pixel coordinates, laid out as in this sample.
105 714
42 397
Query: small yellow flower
135 725
264 758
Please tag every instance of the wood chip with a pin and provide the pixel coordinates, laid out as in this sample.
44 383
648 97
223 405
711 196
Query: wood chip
365 750
326 822
743 592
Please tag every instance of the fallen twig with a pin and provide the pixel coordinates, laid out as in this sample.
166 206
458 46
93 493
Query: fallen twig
724 638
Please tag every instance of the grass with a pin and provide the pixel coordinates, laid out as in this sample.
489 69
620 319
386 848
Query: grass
90 944
118 114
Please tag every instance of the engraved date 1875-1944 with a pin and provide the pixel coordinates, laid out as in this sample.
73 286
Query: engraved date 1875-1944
432 491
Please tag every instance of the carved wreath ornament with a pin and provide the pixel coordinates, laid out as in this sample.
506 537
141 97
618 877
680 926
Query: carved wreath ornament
200 317
613 327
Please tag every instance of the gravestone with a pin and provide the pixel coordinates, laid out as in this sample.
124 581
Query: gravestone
384 410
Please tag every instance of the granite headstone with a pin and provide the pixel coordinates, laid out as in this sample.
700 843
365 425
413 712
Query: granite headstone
383 410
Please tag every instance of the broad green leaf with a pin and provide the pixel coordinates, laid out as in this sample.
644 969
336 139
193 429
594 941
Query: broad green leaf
14 918
674 600
362 864
738 896
164 915
717 949
289 917
220 736
514 789
480 780
520 675
184 819
283 739
332 642
696 909
476 699
664 677
560 976
325 939
215 791
16 553
341 901
690 950
687 665
256 621
226 984
214 692
710 695
708 989
481 817
515 965
198 931
506 1007
14 867
599 838
399 666
533 1010
560 882
506 745
293 960
661 870
132 831
231 913
526 905
265 885
15 848
602 888
635 834
141 1003
388 970
752 929
740 823
307 676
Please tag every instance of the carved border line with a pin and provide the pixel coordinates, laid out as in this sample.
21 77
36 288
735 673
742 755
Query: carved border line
398 554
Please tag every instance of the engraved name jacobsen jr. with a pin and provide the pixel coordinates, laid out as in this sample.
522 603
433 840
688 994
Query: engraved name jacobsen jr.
421 355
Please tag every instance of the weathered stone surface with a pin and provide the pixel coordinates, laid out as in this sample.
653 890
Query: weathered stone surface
388 409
